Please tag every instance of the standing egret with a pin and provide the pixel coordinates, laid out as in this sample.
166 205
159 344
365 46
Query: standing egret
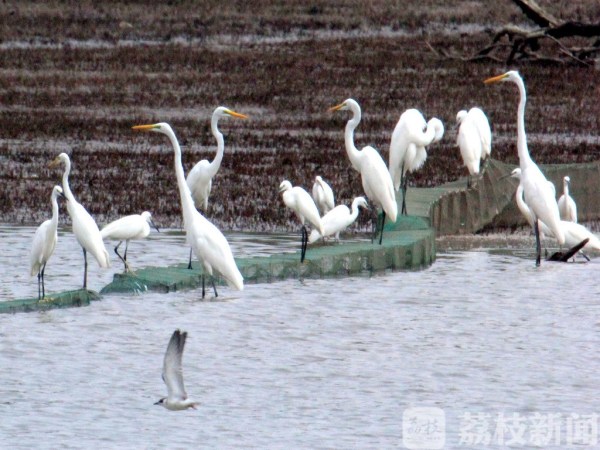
566 204
84 227
44 242
376 179
474 139
136 226
323 195
199 179
300 201
338 219
407 147
208 243
574 233
539 196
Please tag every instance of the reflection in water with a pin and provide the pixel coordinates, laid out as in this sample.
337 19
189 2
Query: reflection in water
312 364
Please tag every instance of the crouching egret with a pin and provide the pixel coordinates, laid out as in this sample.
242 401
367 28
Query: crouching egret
407 148
338 219
375 177
208 243
539 195
135 226
44 242
323 195
300 201
84 227
474 139
566 205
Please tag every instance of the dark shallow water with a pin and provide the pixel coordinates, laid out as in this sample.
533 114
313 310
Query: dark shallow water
312 364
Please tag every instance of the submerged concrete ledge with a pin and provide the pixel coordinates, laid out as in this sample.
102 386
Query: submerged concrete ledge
67 299
408 244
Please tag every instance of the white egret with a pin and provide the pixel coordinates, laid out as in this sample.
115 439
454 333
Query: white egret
574 232
323 195
84 227
208 243
135 226
44 242
300 201
199 179
375 177
407 148
566 204
338 219
474 139
172 374
539 196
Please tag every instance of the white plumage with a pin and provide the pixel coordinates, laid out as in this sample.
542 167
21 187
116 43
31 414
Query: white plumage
566 204
338 219
323 195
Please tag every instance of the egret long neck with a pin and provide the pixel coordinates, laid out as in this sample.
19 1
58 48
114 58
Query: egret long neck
216 163
524 158
65 182
354 213
566 188
353 152
184 191
54 209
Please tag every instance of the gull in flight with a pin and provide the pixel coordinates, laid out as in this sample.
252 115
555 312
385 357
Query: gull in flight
172 375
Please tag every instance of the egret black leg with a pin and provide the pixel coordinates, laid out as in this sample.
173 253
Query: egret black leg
84 269
120 257
190 263
203 290
39 277
382 224
43 287
212 280
538 246
404 189
304 241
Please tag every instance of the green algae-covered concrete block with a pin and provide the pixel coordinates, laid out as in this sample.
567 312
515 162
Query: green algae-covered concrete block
67 299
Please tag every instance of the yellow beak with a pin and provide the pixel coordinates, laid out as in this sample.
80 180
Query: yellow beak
54 163
496 79
236 114
144 127
336 107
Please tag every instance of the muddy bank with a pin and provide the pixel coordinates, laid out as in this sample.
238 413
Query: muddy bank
77 79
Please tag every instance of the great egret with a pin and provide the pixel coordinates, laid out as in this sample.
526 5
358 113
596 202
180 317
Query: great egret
375 177
135 226
199 179
172 374
338 219
84 227
407 148
566 204
574 232
300 201
323 195
44 242
474 139
208 243
539 196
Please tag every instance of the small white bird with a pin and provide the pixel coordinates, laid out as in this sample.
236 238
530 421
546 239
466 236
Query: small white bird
172 374
375 177
300 201
84 227
323 195
338 219
135 226
566 204
407 148
474 139
44 243
208 243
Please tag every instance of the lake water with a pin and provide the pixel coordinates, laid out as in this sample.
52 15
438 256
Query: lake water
480 335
